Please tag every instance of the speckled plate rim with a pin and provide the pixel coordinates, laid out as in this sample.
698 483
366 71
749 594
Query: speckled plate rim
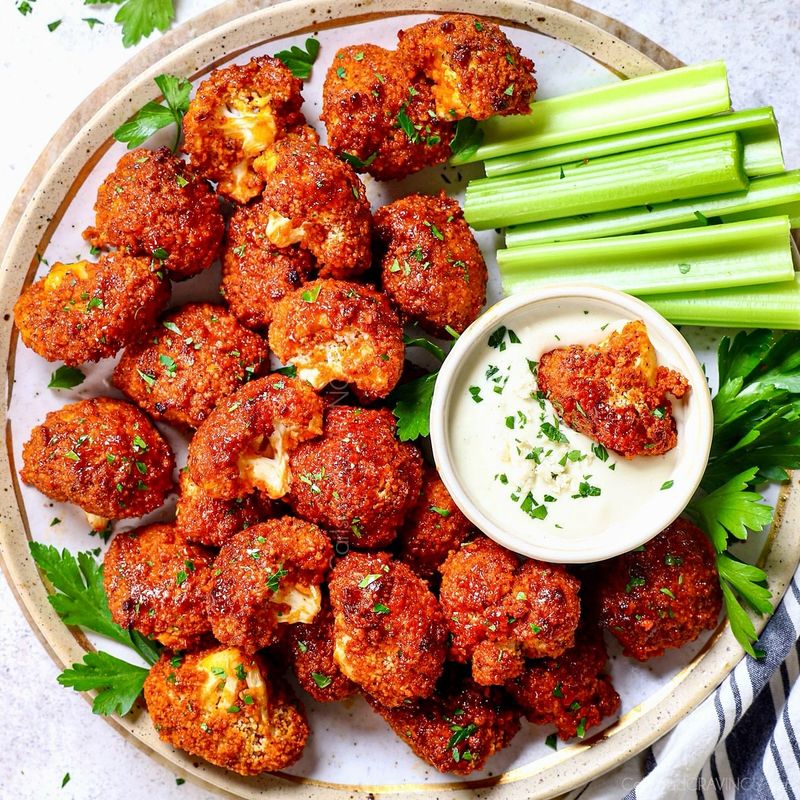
192 49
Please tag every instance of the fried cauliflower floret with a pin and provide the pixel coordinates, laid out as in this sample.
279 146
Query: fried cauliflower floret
255 273
475 70
572 692
87 311
188 362
434 528
389 628
356 481
103 455
459 727
432 268
308 647
264 576
500 611
244 444
340 331
152 205
663 595
226 707
237 113
368 93
315 200
156 583
615 392
210 521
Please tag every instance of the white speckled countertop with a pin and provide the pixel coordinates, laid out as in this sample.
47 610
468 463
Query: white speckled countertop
50 731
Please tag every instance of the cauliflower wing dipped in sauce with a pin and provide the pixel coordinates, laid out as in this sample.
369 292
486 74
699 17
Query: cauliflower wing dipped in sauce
245 443
334 330
474 69
152 205
103 455
573 691
236 114
86 311
662 595
389 629
615 392
317 201
459 727
156 583
267 575
191 360
431 268
378 113
308 648
356 481
227 707
500 611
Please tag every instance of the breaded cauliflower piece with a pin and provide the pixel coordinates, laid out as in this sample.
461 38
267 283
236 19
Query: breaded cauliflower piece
475 70
225 706
615 392
264 576
376 112
308 647
572 692
317 201
433 529
500 611
432 268
389 629
156 583
237 113
210 521
459 727
152 205
340 331
356 481
255 273
190 361
103 455
83 311
244 444
663 595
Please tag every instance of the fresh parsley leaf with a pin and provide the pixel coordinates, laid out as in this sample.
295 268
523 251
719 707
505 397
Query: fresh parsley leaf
425 344
355 162
750 582
118 683
407 126
412 407
139 18
466 141
321 680
66 378
300 61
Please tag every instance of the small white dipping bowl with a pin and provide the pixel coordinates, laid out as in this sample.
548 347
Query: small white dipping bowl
645 513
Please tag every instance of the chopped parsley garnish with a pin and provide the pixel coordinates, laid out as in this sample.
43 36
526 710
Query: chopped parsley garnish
442 512
553 433
181 577
321 680
633 583
585 489
672 561
600 452
355 162
380 608
274 580
368 580
169 363
475 392
552 741
311 295
667 485
667 592
148 379
407 126
460 733
580 732
498 336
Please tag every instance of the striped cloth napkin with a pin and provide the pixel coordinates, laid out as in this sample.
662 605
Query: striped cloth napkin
742 742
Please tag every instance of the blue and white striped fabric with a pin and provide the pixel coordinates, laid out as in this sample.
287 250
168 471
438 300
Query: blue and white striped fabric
742 742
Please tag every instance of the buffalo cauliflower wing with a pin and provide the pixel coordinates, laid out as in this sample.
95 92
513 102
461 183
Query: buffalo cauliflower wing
103 455
152 205
190 361
389 628
237 113
156 583
432 268
224 706
356 481
84 311
264 576
340 331
245 443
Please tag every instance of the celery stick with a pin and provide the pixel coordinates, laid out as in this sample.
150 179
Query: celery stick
765 197
791 210
774 305
756 127
719 256
658 99
696 168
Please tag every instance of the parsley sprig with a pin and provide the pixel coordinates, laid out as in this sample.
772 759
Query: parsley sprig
300 61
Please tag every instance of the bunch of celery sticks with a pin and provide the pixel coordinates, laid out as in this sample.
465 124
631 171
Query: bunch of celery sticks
653 186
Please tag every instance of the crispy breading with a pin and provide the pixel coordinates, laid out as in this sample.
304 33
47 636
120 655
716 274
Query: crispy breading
84 311
188 362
